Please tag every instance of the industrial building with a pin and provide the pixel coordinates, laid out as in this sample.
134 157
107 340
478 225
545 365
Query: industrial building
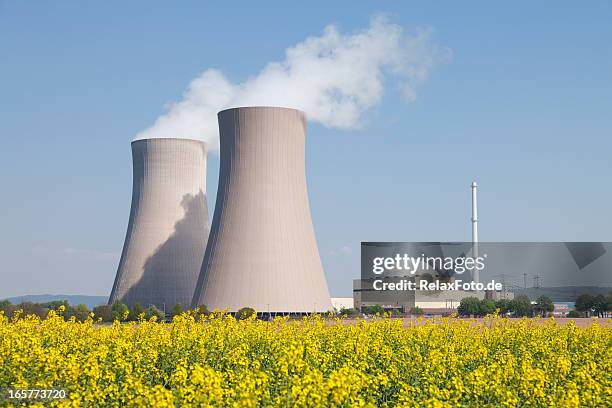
433 302
262 252
430 301
168 225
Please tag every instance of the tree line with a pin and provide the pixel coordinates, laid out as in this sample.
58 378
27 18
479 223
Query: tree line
518 307
598 305
586 305
105 313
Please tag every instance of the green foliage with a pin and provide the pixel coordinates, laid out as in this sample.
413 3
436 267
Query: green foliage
543 306
504 306
245 313
103 312
472 306
521 306
585 302
417 311
373 310
575 313
396 312
348 312
486 307
201 310
598 305
33 308
469 306
7 308
177 310
54 304
135 311
80 312
154 311
119 311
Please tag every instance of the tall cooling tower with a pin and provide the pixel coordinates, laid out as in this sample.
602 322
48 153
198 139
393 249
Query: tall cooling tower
262 251
168 227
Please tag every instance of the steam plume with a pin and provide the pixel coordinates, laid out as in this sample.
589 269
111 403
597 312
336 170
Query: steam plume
334 78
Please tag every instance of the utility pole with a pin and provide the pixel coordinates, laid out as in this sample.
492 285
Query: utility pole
536 281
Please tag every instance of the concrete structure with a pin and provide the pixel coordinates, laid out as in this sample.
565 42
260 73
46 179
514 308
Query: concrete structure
498 294
342 303
168 226
262 252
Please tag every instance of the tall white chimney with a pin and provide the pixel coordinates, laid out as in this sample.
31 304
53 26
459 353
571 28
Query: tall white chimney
475 275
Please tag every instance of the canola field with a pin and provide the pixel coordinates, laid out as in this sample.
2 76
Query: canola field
220 361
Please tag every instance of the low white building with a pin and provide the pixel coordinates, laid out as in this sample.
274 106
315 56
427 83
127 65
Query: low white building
342 303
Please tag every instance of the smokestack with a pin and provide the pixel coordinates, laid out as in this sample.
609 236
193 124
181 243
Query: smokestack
474 212
168 226
476 275
262 251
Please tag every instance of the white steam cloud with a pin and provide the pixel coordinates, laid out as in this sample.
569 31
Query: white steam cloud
334 78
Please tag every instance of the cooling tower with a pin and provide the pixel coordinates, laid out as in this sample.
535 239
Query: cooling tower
168 226
262 252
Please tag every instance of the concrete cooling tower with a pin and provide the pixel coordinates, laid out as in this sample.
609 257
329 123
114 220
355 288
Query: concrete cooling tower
262 251
168 226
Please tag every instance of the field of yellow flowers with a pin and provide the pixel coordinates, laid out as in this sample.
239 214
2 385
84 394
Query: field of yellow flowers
220 361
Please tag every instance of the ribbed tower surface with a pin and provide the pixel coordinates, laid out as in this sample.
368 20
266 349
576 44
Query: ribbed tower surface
262 251
168 226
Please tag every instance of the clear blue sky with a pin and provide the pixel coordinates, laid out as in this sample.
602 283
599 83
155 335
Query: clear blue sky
525 106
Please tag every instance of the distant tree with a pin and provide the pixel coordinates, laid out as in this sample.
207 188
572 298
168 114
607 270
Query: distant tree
396 312
152 311
55 304
416 311
119 311
600 305
348 312
504 306
67 312
245 313
521 306
135 311
177 310
201 310
80 312
9 310
373 310
469 306
574 313
103 312
543 306
486 307
585 303
30 308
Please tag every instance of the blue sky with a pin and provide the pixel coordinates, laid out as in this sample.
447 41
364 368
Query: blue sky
524 106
